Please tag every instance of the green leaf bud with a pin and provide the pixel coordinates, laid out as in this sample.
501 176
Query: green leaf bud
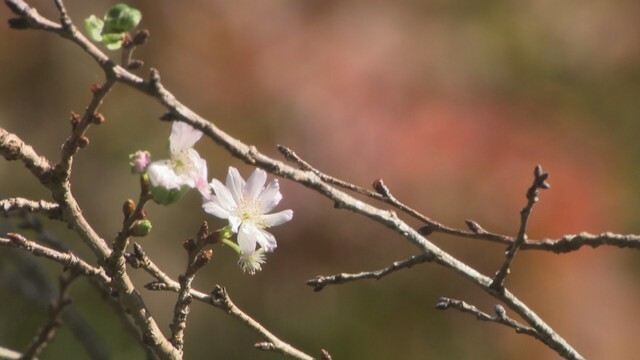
94 26
121 18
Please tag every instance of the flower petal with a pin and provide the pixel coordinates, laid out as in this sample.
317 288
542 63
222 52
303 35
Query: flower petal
225 200
183 136
235 184
266 240
278 218
200 174
235 222
270 197
161 173
213 207
255 184
250 233
247 238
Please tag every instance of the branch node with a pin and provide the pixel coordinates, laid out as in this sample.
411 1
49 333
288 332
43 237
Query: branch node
474 226
265 346
381 188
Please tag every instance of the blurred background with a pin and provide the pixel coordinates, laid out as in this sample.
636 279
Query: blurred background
452 103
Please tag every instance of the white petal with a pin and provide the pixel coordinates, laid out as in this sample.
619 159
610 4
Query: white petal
247 237
270 197
213 207
266 240
224 196
254 184
235 222
183 136
249 232
206 193
201 177
235 184
161 173
278 218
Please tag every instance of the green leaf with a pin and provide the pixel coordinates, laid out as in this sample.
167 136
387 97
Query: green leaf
93 25
113 41
121 18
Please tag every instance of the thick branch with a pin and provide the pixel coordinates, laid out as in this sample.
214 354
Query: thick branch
13 148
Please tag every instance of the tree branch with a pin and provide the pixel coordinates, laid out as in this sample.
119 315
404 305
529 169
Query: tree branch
501 317
539 182
50 210
67 260
218 298
321 281
47 333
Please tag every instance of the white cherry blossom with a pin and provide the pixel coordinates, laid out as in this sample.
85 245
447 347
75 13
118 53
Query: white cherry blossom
246 206
184 169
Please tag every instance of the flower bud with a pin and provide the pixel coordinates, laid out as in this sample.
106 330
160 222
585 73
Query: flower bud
140 228
97 118
135 64
128 208
140 38
139 161
83 141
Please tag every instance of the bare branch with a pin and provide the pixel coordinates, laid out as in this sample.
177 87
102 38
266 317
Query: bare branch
48 332
12 205
13 148
539 182
500 317
321 281
197 257
9 354
570 243
218 298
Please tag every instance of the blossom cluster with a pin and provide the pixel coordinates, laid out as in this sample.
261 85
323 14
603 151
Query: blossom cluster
244 204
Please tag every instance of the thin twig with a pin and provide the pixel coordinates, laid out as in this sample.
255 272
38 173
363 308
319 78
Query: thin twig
197 257
500 317
221 299
383 193
31 281
11 205
80 125
319 282
539 182
47 333
68 260
218 298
